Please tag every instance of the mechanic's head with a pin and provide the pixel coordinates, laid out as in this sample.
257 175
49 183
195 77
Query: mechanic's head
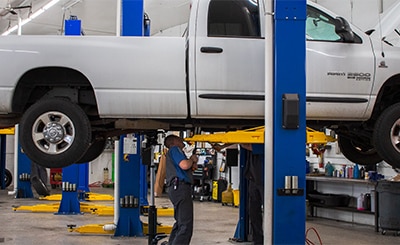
173 140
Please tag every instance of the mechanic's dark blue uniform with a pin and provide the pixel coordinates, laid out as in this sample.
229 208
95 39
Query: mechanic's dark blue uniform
254 173
179 183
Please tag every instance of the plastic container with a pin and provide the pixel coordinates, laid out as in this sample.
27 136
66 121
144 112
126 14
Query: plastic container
329 169
236 198
388 205
356 172
360 202
373 194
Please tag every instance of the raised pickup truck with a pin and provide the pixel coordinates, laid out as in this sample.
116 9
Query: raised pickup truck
69 93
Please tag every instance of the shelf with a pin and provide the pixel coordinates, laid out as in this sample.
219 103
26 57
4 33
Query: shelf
349 209
339 180
372 184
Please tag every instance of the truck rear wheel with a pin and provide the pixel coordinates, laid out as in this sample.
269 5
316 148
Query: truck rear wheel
55 132
387 135
363 154
94 150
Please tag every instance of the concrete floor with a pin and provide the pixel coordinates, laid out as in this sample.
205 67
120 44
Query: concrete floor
214 224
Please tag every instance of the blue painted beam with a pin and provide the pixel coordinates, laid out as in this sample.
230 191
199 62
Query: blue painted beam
129 223
290 78
132 18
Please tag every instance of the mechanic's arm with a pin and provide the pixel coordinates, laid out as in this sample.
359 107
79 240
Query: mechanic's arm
189 163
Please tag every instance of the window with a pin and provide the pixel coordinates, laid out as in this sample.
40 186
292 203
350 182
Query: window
320 26
233 18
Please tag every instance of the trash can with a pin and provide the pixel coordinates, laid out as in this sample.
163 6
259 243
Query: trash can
388 204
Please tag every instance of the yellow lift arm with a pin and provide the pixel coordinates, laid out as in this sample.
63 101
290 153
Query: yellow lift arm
255 136
9 131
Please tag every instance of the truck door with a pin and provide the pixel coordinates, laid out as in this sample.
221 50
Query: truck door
338 72
229 60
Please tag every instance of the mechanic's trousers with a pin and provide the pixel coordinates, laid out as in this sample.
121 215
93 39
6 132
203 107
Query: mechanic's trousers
181 198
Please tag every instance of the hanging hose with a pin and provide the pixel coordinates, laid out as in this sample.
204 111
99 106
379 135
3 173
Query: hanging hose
308 241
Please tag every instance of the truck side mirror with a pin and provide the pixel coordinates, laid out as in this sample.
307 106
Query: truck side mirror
342 28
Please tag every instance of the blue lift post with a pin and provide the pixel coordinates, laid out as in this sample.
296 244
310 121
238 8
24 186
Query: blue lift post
24 175
132 18
289 124
74 175
143 167
242 228
2 161
129 223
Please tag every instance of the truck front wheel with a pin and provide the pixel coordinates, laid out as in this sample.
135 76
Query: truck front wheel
387 135
363 154
55 133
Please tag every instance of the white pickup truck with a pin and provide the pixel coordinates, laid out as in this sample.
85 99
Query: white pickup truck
69 93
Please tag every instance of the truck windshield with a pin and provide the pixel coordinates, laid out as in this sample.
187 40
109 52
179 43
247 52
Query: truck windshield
233 18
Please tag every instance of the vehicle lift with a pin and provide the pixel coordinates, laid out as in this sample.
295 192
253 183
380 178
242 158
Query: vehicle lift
127 217
129 198
252 136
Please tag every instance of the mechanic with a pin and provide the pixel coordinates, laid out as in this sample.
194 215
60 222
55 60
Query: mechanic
254 173
179 178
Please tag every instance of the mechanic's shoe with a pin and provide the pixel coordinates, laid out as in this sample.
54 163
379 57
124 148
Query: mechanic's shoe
164 243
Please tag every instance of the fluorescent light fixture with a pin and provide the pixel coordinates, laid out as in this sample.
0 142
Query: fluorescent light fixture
31 17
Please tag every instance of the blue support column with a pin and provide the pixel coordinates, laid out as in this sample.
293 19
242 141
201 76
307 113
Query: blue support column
132 18
130 170
69 200
2 161
129 223
143 185
75 177
72 27
242 228
83 180
24 175
289 122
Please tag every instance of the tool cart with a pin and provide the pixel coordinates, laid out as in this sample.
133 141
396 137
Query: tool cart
203 175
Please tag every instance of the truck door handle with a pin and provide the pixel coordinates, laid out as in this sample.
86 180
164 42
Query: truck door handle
211 50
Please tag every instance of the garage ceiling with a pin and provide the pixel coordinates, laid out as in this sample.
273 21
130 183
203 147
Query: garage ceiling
98 16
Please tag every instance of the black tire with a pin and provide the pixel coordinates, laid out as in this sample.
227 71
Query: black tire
387 135
7 178
94 150
364 154
55 133
40 187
